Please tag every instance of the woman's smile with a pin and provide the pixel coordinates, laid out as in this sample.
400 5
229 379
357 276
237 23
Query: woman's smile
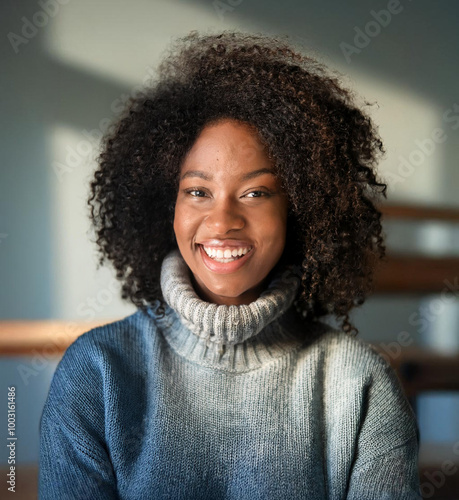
230 214
225 260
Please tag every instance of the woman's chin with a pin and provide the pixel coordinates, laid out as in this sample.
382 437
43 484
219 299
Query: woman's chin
224 294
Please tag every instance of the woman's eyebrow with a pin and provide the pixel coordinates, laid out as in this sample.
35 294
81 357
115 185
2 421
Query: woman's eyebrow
245 177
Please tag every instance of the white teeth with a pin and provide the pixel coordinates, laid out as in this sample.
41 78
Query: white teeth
226 255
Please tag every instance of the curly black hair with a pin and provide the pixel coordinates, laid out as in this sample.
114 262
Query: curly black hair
324 148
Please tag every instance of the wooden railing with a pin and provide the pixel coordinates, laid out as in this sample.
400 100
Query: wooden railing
48 337
415 273
421 213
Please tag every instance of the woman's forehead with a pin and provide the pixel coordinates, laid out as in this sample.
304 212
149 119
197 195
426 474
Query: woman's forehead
227 143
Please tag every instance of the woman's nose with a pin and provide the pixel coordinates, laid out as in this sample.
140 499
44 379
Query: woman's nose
223 217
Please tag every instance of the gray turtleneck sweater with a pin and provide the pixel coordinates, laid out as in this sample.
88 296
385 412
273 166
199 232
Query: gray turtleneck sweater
210 401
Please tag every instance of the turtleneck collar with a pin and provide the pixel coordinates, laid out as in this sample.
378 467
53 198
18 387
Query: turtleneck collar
229 338
224 324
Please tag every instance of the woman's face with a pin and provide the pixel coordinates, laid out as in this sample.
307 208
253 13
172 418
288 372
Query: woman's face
229 202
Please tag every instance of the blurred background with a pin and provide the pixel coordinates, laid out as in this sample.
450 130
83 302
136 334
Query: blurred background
67 68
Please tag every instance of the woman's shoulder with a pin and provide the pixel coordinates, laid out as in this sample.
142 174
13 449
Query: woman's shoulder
352 371
100 358
120 334
345 355
118 343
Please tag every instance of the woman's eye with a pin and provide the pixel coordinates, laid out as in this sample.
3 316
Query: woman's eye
192 191
199 193
259 193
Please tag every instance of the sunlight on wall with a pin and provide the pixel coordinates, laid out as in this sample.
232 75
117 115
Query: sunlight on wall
117 40
81 292
410 128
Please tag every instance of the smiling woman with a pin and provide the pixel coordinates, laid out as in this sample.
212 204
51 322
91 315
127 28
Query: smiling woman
235 199
233 234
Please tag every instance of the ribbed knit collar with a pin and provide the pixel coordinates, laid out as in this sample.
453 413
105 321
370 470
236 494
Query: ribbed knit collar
220 323
233 337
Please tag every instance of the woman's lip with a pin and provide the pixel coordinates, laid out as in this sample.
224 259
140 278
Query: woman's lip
225 243
219 267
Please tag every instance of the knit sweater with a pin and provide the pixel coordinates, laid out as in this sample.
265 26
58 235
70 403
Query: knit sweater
248 402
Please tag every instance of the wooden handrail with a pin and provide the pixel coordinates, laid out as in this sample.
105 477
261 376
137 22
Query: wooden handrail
45 337
26 337
419 212
417 274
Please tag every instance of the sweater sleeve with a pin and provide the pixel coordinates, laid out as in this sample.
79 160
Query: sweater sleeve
74 461
386 461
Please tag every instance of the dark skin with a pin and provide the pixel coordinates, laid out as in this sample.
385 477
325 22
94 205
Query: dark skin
225 206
